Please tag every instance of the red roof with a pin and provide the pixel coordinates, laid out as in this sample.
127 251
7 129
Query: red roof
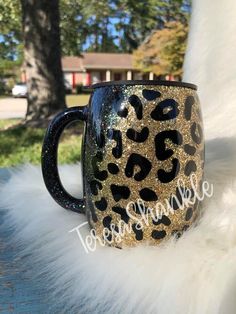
93 60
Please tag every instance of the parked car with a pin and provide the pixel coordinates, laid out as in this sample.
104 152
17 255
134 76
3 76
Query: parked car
19 90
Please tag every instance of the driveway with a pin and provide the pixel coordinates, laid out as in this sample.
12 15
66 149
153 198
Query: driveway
12 108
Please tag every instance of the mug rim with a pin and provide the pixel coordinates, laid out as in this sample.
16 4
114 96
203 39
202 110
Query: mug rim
145 82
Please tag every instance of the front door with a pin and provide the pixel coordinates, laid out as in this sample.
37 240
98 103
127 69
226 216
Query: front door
117 76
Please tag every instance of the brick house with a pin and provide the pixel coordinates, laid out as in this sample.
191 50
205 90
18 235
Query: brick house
92 68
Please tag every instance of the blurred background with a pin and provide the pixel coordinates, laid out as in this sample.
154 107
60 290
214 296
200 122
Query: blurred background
51 50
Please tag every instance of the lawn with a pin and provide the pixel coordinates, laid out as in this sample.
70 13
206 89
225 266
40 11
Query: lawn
77 100
71 100
23 145
7 123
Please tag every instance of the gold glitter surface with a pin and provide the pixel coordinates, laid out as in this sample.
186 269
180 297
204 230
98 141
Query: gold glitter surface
147 149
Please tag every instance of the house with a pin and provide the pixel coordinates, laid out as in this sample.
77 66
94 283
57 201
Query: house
91 68
94 67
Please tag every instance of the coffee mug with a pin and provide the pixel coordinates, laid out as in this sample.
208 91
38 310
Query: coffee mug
142 158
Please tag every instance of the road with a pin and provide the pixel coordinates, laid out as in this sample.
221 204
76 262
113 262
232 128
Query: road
12 108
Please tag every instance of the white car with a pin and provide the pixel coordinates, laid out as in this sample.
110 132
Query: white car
19 90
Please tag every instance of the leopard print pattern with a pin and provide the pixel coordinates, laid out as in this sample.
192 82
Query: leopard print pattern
147 140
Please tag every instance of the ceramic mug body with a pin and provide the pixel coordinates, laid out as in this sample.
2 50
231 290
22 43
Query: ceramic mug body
143 156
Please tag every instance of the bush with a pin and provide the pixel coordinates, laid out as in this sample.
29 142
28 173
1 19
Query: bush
2 87
79 88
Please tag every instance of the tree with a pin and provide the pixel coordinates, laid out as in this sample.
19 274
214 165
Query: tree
173 11
10 20
98 16
115 25
10 41
46 94
104 25
163 51
8 51
136 19
73 27
87 25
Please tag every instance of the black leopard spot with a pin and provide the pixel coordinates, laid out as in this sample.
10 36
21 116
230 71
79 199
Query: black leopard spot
123 113
112 168
107 221
109 237
189 102
100 175
137 104
98 156
190 167
116 136
94 186
136 136
140 209
175 199
160 146
150 94
102 204
163 220
120 192
189 214
190 150
178 198
148 195
138 232
196 133
158 234
138 160
122 212
185 227
168 176
165 110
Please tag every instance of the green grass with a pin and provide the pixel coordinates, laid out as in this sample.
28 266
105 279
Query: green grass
20 145
77 100
23 145
71 100
7 123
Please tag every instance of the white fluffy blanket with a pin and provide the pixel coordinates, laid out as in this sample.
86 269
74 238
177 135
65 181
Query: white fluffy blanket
196 274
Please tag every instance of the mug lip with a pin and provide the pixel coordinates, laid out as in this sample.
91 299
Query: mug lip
145 82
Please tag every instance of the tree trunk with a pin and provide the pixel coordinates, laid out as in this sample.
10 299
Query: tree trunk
45 83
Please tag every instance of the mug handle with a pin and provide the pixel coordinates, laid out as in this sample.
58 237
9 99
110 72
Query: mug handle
49 158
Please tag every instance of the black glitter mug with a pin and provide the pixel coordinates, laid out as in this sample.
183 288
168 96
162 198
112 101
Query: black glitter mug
142 151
